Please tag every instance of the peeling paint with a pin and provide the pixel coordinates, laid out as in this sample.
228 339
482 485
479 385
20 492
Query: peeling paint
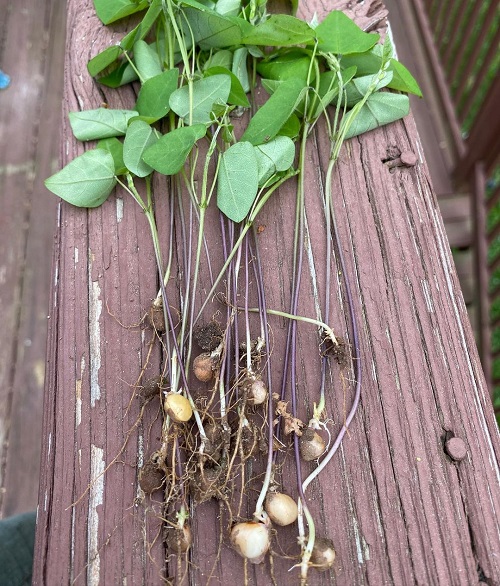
76 255
95 309
140 463
78 393
45 501
73 514
366 549
49 447
119 209
3 274
96 497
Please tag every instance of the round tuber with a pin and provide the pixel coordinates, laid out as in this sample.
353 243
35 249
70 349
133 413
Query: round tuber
281 508
178 407
251 540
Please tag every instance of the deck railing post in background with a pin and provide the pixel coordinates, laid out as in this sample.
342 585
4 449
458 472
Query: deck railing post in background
479 207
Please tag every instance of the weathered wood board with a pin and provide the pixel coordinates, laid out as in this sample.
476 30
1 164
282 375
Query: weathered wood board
32 53
399 509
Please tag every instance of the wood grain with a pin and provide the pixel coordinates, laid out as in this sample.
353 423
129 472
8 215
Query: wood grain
31 52
399 510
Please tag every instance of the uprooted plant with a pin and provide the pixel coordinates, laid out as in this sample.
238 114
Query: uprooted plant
194 66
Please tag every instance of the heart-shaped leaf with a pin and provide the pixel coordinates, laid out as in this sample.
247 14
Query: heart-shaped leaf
146 60
111 10
369 63
240 69
100 123
212 30
237 94
275 156
140 136
379 109
269 118
358 87
154 95
169 154
206 92
340 35
238 181
293 64
110 54
228 7
115 148
86 181
280 30
222 58
121 75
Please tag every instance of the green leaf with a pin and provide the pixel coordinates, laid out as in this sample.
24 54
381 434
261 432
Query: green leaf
340 35
240 69
293 64
222 58
86 181
329 88
115 148
154 95
122 75
270 85
103 59
328 80
100 123
358 87
370 62
238 181
280 30
169 154
108 56
403 80
228 7
367 63
237 94
291 128
269 118
379 109
111 10
275 156
206 92
212 30
146 60
140 136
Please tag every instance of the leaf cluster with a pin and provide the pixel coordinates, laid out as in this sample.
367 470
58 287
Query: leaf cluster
195 63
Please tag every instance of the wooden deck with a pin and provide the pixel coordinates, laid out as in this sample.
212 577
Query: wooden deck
32 53
400 508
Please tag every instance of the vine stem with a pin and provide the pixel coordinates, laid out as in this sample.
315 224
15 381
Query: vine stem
148 211
356 354
237 245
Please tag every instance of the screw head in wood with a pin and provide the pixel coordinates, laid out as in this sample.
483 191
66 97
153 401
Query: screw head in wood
408 159
456 449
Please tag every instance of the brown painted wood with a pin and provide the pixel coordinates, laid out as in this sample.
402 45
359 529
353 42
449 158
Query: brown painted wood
32 54
399 510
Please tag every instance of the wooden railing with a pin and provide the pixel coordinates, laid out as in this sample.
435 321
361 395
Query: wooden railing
462 39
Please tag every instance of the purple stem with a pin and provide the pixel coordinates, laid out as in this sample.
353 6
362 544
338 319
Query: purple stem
263 316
